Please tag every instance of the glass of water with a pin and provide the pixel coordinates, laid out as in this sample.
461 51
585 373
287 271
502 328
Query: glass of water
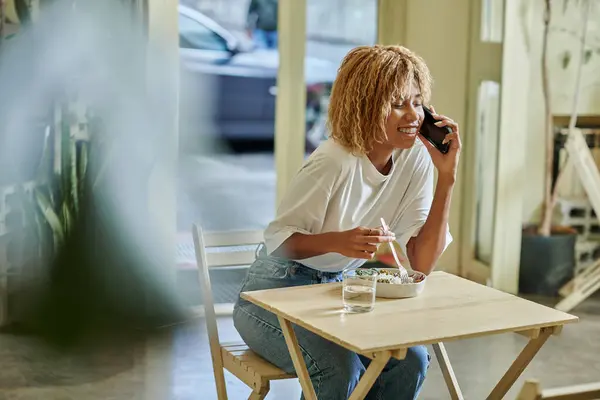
359 289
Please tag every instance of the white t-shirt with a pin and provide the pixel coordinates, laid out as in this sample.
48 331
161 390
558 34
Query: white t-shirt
336 191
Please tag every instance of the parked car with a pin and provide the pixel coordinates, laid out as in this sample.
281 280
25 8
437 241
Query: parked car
226 80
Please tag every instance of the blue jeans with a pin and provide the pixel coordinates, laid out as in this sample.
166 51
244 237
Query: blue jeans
265 39
334 370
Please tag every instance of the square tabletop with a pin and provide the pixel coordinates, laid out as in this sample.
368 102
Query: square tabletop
449 308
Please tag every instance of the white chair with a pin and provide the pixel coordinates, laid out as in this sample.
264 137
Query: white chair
237 358
531 391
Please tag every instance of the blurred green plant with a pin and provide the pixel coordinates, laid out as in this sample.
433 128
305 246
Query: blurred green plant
63 172
104 271
97 274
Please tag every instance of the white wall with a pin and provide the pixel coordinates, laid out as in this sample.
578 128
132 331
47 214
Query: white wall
444 44
564 37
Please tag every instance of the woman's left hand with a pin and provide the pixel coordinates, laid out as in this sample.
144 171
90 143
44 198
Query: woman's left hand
446 164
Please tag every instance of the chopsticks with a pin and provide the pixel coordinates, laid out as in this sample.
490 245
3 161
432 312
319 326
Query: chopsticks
403 271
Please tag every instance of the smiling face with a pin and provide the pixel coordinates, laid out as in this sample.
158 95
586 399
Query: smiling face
375 102
404 120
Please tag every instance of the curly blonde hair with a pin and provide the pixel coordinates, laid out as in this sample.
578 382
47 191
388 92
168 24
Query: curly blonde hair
370 79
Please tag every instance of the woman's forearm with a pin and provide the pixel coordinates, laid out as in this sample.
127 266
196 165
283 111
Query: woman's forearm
300 246
425 249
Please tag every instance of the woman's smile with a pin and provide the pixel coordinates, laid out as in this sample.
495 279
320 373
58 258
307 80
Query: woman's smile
409 131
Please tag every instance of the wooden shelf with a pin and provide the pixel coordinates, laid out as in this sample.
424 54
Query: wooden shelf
583 121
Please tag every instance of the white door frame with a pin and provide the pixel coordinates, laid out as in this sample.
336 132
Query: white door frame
508 64
161 20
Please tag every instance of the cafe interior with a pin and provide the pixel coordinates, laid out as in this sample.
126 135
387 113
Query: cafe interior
511 309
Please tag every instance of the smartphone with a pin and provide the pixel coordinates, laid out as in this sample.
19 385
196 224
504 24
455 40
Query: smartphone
433 133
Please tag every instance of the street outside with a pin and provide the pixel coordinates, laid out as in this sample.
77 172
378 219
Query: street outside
349 21
227 191
236 190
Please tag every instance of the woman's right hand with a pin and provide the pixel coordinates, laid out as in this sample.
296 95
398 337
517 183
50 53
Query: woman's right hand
360 242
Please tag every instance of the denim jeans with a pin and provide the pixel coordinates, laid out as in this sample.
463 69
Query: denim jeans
334 370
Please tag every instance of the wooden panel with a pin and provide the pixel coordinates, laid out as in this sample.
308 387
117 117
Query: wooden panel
161 20
290 109
582 120
223 249
391 25
234 258
530 391
530 333
250 367
447 371
519 365
583 162
209 309
233 238
308 390
510 184
580 293
368 379
449 308
588 391
221 309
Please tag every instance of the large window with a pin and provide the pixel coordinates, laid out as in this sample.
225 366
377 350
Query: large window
492 19
487 128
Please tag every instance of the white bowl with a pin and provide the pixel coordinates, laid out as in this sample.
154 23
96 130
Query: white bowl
400 291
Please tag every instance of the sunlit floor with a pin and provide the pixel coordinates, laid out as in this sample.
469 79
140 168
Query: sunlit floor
180 368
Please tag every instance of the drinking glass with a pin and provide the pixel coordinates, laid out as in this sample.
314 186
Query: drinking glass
359 289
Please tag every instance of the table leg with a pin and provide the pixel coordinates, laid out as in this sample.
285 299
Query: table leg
447 371
378 363
519 365
297 359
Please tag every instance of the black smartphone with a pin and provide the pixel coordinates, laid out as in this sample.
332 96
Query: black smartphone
433 133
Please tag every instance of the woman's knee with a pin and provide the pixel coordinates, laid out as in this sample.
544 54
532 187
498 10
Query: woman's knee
418 360
335 371
261 332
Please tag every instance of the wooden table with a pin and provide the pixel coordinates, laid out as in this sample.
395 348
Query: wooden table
449 308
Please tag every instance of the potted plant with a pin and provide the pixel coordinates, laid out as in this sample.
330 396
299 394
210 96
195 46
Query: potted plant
548 249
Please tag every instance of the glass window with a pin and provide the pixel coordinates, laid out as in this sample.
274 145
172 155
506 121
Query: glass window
334 27
492 19
487 127
194 35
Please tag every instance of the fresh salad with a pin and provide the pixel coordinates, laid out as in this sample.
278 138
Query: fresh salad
386 276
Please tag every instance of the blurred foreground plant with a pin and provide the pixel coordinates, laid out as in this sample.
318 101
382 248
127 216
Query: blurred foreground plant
106 269
103 284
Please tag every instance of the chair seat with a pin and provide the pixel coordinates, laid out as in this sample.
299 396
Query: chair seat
249 366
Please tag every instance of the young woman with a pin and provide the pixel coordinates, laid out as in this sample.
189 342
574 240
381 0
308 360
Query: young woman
374 165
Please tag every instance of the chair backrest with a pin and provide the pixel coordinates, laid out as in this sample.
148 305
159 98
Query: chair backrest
220 249
234 248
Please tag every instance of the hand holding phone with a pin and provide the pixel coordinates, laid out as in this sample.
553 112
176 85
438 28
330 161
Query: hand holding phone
441 136
434 134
